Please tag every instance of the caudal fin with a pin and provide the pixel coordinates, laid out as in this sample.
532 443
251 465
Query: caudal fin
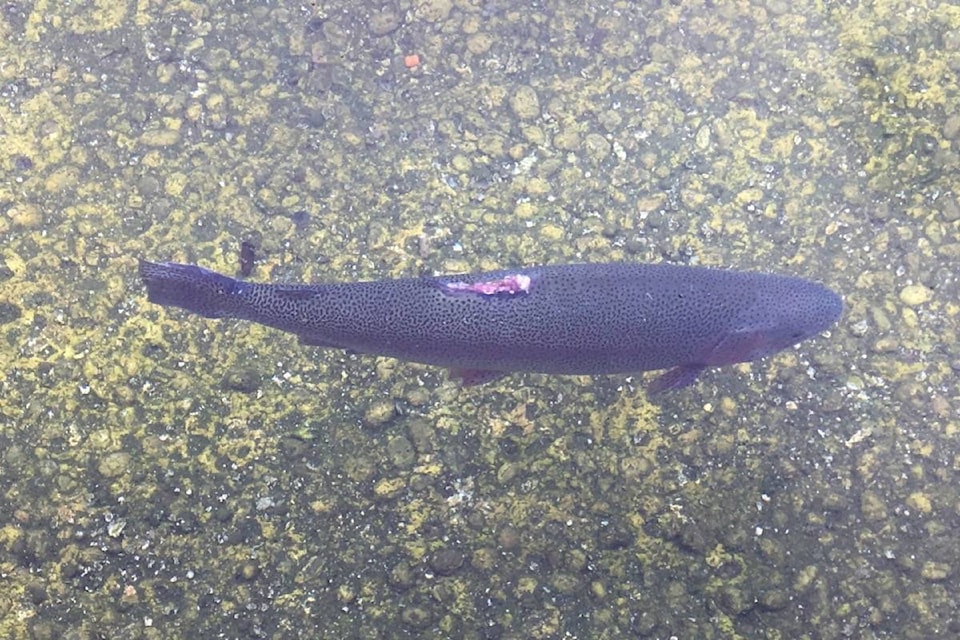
193 288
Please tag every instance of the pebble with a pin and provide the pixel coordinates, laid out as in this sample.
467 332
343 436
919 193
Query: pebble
242 379
379 414
509 538
25 216
507 472
949 208
160 137
402 575
872 507
610 120
951 128
400 451
575 560
525 103
484 559
384 23
114 464
773 599
422 434
248 571
566 584
614 536
434 10
479 43
446 561
936 571
149 186
915 294
389 487
567 140
598 589
9 312
919 501
597 147
416 617
735 601
37 592
702 139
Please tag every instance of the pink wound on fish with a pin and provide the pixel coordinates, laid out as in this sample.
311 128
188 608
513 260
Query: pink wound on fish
511 284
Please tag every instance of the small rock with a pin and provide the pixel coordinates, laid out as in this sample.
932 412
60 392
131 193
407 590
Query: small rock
379 414
566 584
446 561
525 103
915 294
507 472
9 312
242 379
567 140
149 186
484 559
702 139
872 507
402 575
400 451
114 464
936 571
735 601
773 599
597 147
949 209
389 487
25 216
248 571
37 592
919 502
951 128
598 589
479 43
422 434
835 502
575 560
416 617
434 10
614 536
509 538
22 163
160 137
384 23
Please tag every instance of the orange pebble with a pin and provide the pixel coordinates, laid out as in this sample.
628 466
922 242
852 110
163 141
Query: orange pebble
411 61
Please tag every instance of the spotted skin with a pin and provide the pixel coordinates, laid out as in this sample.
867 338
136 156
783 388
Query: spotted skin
565 319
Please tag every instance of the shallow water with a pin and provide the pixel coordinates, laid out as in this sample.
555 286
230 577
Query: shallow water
167 476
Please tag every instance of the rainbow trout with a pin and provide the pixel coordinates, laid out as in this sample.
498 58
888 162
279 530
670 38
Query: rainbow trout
564 319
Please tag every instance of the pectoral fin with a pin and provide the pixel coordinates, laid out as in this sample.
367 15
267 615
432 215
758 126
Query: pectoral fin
473 377
676 378
314 341
738 346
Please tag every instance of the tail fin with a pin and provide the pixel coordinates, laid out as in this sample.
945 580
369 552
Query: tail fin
193 288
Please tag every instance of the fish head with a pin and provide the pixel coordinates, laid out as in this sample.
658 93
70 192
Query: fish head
782 315
193 288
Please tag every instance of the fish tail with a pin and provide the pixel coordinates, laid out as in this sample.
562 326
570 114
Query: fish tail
205 292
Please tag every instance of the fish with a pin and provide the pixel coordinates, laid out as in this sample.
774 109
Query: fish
573 319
